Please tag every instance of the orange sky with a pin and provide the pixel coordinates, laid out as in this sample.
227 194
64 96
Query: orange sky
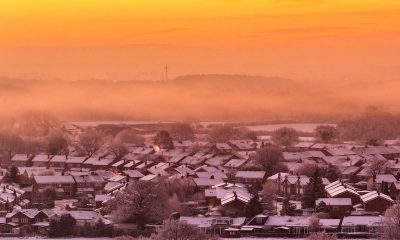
301 39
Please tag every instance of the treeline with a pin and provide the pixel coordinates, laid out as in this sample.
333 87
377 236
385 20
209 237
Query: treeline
372 127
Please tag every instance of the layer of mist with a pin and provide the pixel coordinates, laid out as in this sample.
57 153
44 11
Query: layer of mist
197 98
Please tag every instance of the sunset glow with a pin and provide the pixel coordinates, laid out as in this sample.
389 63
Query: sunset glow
208 23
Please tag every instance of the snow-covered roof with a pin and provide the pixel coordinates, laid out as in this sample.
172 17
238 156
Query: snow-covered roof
250 174
207 182
389 178
20 158
334 201
59 158
235 163
362 220
245 198
53 179
41 158
133 173
292 221
374 195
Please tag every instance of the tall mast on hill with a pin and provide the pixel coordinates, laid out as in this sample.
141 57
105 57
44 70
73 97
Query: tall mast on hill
166 72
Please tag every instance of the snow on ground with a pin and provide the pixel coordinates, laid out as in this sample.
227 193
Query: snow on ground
254 238
37 238
244 238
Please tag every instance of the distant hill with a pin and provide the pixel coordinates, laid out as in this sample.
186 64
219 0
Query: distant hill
232 78
194 97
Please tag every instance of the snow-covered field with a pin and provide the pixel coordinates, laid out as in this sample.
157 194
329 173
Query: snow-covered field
302 127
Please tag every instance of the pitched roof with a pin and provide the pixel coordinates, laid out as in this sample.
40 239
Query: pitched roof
362 220
41 158
335 201
59 158
389 178
20 158
250 174
245 198
53 179
133 173
206 182
374 195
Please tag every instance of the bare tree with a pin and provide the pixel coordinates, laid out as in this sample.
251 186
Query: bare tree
182 131
36 124
268 195
285 136
164 140
391 223
177 230
331 172
90 142
128 238
270 159
322 236
182 188
118 149
129 136
140 202
10 144
223 134
57 144
48 196
34 145
314 224
326 133
377 166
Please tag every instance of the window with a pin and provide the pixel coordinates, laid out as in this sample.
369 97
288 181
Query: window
24 220
15 220
362 228
348 229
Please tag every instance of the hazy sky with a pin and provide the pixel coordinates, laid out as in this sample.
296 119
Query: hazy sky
130 39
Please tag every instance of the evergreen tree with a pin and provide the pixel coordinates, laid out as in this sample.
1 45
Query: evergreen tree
12 175
288 208
253 207
321 208
164 140
63 226
313 191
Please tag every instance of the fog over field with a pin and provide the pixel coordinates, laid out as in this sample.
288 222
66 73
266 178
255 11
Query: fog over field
197 98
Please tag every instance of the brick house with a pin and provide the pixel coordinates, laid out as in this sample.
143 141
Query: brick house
92 184
64 185
376 202
337 207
